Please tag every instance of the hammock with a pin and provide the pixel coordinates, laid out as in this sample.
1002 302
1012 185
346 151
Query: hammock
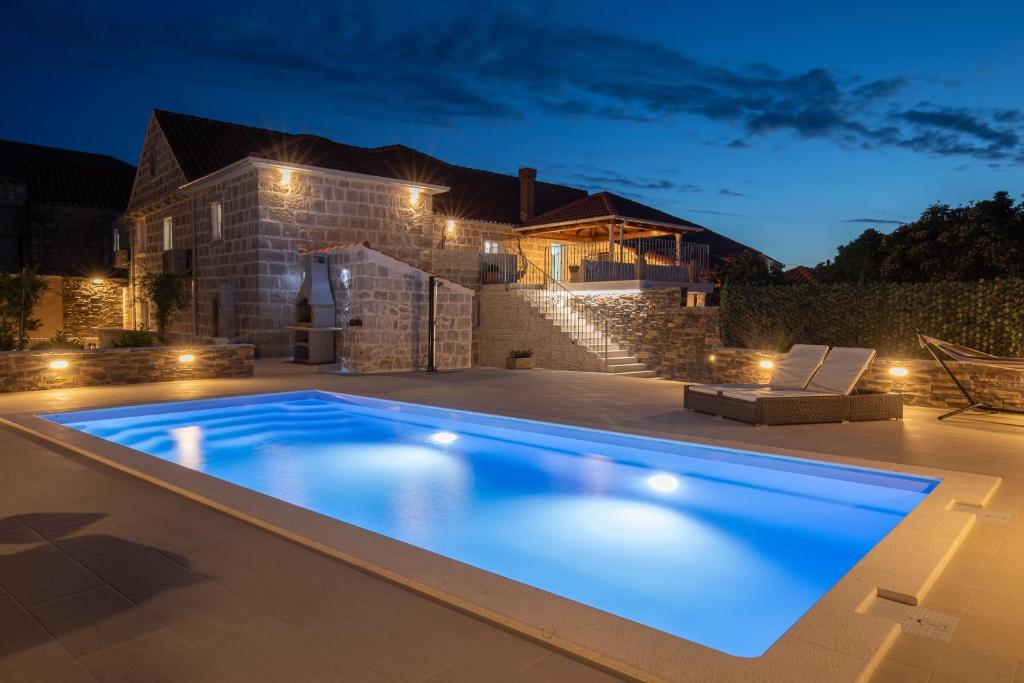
969 356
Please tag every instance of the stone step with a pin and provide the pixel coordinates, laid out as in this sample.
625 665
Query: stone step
650 374
623 360
616 353
626 367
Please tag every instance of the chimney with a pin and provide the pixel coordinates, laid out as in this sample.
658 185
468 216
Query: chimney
527 190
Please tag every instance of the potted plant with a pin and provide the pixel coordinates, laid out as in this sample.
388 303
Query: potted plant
520 360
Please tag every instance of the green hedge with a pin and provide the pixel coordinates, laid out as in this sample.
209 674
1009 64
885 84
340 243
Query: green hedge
988 316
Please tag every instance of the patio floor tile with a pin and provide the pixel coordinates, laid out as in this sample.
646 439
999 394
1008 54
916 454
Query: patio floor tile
164 657
46 579
94 619
139 569
197 609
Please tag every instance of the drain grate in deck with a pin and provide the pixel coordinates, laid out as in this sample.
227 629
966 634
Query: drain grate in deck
916 621
985 515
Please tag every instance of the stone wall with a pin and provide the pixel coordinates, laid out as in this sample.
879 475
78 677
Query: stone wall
672 339
926 384
507 322
87 305
389 300
30 370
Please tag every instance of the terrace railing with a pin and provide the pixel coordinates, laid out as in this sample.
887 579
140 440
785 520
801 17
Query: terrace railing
649 258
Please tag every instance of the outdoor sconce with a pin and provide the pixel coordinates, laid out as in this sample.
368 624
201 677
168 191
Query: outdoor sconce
451 226
414 195
286 177
767 364
711 358
186 358
898 371
58 364
97 281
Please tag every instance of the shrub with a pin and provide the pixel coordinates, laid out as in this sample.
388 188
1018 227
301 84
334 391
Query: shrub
525 353
19 295
169 294
134 339
61 340
885 316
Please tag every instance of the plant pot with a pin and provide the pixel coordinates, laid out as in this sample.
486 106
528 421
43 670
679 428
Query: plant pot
520 363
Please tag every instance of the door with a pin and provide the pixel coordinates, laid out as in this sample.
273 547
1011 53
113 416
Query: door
556 262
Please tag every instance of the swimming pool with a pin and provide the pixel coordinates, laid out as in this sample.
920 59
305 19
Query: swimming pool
722 547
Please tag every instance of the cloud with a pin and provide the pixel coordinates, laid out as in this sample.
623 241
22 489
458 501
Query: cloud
731 193
873 220
506 65
611 180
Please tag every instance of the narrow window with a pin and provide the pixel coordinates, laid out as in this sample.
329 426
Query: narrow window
491 247
140 235
168 233
216 220
116 240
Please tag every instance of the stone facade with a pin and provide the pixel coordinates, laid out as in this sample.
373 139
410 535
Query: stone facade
507 322
87 305
657 327
388 299
926 384
30 370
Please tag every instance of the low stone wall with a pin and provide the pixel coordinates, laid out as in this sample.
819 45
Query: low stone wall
89 305
30 370
507 322
925 385
672 339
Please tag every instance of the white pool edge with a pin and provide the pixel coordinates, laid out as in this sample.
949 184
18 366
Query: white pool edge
834 640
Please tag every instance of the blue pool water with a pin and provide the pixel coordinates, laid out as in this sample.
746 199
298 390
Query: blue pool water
725 548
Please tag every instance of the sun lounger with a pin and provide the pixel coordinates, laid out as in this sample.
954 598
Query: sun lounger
827 395
968 356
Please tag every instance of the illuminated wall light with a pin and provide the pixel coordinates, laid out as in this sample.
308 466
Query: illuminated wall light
451 226
286 176
712 358
444 438
186 358
767 364
414 195
663 483
898 371
58 364
97 281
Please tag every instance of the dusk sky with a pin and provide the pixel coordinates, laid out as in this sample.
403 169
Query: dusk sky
789 126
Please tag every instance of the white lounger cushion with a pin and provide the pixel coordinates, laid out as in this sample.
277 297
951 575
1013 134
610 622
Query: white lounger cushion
795 369
754 394
841 370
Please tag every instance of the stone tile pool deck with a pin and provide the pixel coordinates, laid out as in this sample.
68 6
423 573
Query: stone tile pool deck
105 577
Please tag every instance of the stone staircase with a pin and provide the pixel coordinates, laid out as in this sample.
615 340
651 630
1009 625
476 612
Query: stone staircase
568 318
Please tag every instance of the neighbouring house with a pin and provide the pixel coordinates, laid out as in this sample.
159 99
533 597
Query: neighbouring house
60 214
237 209
799 275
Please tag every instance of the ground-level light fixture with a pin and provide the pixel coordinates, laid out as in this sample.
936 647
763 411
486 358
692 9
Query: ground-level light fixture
767 364
186 358
58 364
898 371
444 438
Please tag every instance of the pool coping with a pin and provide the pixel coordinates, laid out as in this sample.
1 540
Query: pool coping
834 640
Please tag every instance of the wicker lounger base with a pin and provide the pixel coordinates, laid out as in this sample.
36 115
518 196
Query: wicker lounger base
798 410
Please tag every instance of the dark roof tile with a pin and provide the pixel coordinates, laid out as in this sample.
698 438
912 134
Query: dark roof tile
65 177
604 204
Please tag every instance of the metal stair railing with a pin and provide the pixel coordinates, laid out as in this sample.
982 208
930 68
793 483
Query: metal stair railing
581 320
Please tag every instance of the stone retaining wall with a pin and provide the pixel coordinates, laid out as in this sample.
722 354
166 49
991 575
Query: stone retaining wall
672 339
507 322
89 305
30 370
925 385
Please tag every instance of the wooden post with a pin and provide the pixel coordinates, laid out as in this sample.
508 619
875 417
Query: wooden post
622 253
679 249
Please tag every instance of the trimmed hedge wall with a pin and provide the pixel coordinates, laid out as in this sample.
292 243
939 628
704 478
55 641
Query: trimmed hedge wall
988 316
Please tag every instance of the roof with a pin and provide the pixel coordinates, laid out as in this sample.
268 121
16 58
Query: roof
719 246
474 194
607 205
65 177
800 275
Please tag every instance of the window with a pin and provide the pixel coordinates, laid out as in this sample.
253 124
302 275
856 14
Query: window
216 220
140 235
491 247
116 240
168 233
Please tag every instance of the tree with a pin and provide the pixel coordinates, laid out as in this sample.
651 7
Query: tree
19 295
169 294
750 268
979 241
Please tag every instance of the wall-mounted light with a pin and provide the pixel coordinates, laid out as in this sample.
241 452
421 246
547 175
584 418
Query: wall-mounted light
712 358
186 358
767 364
450 227
898 371
58 364
286 177
97 281
414 195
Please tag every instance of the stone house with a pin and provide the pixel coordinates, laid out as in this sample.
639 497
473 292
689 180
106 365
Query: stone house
233 208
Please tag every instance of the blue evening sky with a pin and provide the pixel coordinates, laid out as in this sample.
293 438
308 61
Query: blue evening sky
789 126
